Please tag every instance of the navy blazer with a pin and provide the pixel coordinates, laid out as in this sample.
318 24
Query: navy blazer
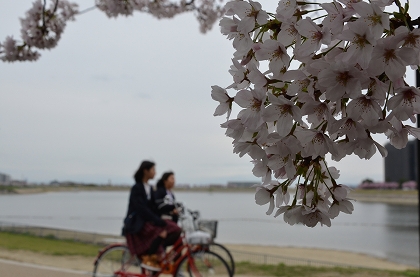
140 208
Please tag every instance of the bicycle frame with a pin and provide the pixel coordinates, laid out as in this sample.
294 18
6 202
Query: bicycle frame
170 261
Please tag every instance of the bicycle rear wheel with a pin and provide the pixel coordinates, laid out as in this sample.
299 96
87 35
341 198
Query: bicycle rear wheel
115 260
204 264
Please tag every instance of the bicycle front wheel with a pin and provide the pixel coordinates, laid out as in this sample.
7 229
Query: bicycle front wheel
114 262
223 252
203 264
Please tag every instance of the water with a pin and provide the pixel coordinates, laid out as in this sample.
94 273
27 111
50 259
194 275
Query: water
382 230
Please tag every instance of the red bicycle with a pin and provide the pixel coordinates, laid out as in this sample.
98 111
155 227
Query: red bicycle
189 257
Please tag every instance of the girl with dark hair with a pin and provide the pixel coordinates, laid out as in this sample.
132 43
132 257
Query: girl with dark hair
165 198
145 231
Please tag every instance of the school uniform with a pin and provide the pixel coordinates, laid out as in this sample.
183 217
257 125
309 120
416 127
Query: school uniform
142 224
165 203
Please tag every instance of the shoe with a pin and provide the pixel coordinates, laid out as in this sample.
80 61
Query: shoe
150 262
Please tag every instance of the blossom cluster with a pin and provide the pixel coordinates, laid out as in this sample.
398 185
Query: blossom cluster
207 12
313 80
41 28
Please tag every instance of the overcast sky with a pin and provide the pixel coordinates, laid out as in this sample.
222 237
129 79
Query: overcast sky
118 91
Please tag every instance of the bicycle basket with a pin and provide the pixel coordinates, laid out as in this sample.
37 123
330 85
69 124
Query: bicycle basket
208 226
198 237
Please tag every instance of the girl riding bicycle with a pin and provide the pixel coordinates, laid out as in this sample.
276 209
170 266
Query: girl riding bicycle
145 231
165 198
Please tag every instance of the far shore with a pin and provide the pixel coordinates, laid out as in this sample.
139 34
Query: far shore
400 197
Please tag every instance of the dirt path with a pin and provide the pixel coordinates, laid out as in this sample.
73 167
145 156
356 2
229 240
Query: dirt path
23 263
18 269
77 263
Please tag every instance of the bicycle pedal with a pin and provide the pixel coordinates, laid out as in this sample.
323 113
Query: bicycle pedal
167 269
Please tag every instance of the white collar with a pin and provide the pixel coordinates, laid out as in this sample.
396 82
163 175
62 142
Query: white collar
147 189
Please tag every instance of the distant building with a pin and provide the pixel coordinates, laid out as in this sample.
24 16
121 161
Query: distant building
401 164
241 184
18 183
217 186
183 186
4 179
54 183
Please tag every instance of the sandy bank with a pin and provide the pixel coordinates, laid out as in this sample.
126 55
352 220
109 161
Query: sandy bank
385 196
321 255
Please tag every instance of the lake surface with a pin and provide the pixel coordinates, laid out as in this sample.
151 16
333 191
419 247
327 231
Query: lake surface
382 230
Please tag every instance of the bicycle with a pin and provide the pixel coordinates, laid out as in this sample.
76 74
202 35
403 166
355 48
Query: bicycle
209 226
189 256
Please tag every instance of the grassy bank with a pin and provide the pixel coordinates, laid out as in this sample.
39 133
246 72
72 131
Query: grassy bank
66 248
46 245
7 190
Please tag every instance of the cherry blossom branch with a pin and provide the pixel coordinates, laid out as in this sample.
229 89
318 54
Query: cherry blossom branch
348 84
42 27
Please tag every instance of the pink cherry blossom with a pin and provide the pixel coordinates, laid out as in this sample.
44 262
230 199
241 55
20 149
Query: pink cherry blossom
282 197
284 112
262 170
389 58
343 205
286 9
317 111
249 14
365 148
220 94
398 136
275 52
11 51
234 129
262 196
342 80
415 132
374 17
314 215
315 36
366 109
253 102
288 33
291 214
340 192
335 18
315 143
42 27
410 39
405 103
238 73
362 43
348 127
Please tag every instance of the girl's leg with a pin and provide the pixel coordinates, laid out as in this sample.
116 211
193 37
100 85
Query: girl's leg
157 243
